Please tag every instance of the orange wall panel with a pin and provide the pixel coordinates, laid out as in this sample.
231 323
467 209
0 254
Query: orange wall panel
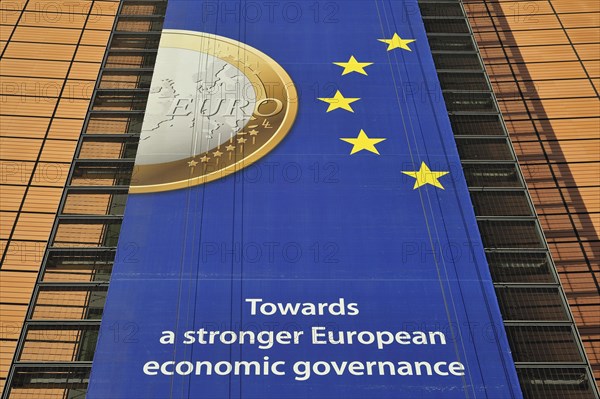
551 50
50 42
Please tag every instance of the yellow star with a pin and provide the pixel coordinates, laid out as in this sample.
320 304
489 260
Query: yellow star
192 163
204 159
217 154
363 142
339 101
426 176
230 147
397 42
353 66
241 140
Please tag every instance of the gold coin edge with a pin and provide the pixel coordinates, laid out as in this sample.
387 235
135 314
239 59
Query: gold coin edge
282 131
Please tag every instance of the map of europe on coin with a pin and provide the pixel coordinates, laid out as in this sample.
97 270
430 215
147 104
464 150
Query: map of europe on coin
215 106
205 105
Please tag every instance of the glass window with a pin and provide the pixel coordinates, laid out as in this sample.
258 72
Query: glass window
556 383
484 149
475 81
540 343
477 125
450 43
501 203
510 234
531 303
492 175
466 61
520 267
446 25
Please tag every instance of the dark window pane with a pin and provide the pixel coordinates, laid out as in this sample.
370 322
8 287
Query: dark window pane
510 234
59 378
446 25
543 344
131 42
477 125
555 383
457 102
501 203
467 61
491 175
441 10
450 43
484 149
527 303
463 81
521 267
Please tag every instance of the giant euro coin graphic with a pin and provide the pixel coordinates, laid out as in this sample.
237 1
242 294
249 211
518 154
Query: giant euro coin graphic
215 106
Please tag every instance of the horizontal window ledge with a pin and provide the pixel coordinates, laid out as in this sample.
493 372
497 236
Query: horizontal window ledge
53 365
450 91
60 324
112 138
537 323
498 189
549 365
141 69
459 113
72 286
104 162
140 16
526 285
95 113
448 34
516 250
445 17
93 189
507 218
487 162
122 91
108 136
122 34
484 188
137 51
97 190
479 136
459 70
136 29
129 16
80 250
76 249
88 218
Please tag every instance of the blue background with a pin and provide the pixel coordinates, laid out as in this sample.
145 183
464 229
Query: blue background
311 223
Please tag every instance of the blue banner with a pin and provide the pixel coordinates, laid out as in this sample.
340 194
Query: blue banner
299 225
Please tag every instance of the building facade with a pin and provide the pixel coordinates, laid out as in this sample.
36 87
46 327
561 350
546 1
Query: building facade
520 81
